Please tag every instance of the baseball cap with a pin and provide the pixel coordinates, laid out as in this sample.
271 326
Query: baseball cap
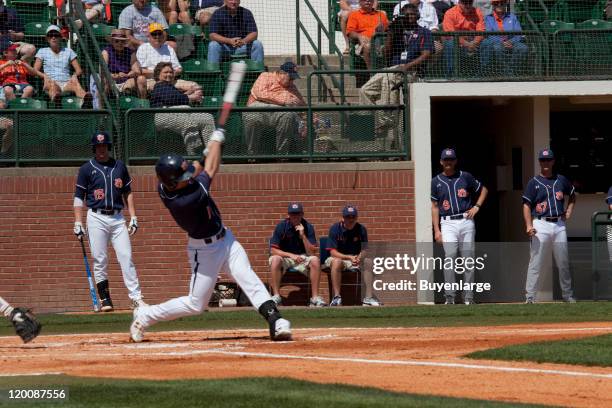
295 208
53 27
349 210
290 68
448 154
155 27
546 154
100 137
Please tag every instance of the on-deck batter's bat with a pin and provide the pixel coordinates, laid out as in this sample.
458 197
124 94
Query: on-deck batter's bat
92 291
238 69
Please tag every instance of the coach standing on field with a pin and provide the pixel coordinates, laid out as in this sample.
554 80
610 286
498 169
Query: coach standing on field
452 214
544 215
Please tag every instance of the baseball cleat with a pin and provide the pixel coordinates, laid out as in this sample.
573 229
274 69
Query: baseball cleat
336 301
137 328
371 301
282 330
469 302
529 301
107 305
449 301
277 299
317 302
570 299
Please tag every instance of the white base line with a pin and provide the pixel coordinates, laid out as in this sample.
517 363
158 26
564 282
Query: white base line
31 374
393 362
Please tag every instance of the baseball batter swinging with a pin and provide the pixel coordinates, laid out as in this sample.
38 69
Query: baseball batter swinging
185 190
452 213
545 216
104 183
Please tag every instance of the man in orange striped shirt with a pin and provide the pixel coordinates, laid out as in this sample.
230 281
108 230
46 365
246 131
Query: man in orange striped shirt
463 17
362 24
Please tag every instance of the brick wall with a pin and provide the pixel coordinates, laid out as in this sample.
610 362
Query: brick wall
41 264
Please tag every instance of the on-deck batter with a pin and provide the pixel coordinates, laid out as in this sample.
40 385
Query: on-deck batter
105 185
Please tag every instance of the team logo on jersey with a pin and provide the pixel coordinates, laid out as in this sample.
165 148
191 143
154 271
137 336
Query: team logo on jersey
541 207
559 195
99 194
462 192
446 205
118 183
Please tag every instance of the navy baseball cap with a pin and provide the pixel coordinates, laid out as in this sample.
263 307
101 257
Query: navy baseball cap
295 208
101 137
448 154
349 210
290 68
546 154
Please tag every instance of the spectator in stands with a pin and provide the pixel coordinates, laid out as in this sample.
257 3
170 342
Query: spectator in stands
6 129
175 11
136 18
194 127
94 10
123 65
462 17
294 245
608 10
233 31
347 243
203 10
346 8
14 75
274 89
441 7
509 51
428 16
157 50
56 61
409 47
361 26
12 32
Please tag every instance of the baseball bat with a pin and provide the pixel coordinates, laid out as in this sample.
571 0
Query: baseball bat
92 291
234 82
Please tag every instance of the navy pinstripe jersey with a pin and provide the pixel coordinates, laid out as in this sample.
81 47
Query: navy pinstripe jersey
546 196
454 194
102 185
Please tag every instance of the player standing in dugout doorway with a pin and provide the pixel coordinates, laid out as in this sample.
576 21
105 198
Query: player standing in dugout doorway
452 214
104 184
544 215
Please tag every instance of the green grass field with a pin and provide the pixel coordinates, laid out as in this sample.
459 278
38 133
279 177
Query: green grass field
590 351
241 392
404 316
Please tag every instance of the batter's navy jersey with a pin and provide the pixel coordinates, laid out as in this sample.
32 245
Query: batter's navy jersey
546 196
287 239
103 184
609 199
193 208
454 194
347 241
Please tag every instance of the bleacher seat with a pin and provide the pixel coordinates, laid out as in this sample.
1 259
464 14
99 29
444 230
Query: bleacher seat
71 102
27 103
101 31
32 10
207 74
35 33
130 102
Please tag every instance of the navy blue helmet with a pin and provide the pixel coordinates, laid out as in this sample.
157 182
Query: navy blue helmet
101 137
173 168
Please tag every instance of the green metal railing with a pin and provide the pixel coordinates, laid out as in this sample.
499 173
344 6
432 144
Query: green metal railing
600 222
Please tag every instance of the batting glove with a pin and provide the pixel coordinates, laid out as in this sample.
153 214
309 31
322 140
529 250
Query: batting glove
78 230
133 227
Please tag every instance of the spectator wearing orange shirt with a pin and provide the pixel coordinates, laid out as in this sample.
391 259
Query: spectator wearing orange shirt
462 17
14 75
362 24
274 89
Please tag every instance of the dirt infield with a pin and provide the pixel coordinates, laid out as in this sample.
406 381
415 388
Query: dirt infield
415 360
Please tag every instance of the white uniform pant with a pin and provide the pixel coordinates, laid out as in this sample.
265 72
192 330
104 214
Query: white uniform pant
206 262
101 229
458 237
550 236
609 233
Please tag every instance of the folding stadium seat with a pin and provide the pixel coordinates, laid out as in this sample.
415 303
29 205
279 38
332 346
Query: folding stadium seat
35 136
141 138
594 48
117 7
35 33
207 74
562 52
101 31
32 10
576 11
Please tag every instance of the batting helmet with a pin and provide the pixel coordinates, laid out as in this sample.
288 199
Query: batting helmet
172 168
101 137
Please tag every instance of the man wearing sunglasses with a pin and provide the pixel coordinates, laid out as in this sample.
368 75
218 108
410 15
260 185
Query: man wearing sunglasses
545 215
56 61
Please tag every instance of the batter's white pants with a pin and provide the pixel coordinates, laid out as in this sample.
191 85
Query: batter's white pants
101 229
206 262
609 233
550 236
458 236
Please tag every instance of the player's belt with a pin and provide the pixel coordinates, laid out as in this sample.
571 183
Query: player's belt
453 217
550 219
106 212
217 237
